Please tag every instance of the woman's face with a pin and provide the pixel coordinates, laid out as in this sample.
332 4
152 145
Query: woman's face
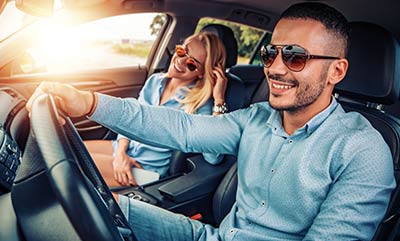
190 65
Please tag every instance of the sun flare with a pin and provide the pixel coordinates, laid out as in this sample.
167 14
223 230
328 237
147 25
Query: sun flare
63 46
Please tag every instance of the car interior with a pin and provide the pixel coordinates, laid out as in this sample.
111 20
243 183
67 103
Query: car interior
50 188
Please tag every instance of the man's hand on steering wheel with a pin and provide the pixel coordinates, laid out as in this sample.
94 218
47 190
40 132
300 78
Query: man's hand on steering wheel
72 101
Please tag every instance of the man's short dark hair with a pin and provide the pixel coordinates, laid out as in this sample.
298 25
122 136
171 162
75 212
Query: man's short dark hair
332 19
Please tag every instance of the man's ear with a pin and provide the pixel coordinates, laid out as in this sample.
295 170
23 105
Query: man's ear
337 71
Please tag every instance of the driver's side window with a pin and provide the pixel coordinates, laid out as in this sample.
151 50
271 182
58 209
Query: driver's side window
105 43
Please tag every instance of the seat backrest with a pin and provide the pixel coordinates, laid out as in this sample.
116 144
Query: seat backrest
234 95
228 39
246 78
372 81
225 195
373 66
253 78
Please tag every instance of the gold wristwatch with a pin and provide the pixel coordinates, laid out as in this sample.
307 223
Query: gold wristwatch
220 108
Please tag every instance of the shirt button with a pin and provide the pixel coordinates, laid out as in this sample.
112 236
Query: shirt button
231 231
290 141
273 170
263 203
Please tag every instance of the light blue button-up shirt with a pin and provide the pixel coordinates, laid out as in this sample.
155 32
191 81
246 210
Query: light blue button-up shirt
331 180
154 158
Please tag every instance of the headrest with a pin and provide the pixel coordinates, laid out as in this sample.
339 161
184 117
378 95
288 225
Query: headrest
228 38
374 67
248 73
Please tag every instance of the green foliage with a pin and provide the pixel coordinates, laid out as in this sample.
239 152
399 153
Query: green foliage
247 37
157 23
137 49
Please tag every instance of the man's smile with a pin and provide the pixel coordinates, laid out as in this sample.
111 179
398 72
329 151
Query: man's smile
278 87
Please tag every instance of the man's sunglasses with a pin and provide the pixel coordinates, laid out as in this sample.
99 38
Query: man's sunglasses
191 63
293 56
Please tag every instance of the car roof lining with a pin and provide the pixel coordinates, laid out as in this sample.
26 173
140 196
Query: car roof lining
262 14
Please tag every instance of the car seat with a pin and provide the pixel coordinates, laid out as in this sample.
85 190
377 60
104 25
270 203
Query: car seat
372 81
236 95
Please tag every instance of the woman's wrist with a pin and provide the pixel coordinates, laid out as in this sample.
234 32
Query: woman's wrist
220 108
219 101
120 153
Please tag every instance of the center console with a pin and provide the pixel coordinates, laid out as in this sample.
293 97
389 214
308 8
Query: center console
189 193
10 159
14 127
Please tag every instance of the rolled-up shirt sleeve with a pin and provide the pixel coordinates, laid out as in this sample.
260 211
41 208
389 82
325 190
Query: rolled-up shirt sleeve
169 128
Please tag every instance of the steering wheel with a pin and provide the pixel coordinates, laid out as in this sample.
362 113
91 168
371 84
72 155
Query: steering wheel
74 178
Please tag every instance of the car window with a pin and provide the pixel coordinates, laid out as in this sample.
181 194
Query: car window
119 41
12 19
256 58
247 37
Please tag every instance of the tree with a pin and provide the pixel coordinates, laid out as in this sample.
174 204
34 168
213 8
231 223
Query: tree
158 22
247 37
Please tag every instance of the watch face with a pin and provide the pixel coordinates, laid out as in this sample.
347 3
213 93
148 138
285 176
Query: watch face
220 108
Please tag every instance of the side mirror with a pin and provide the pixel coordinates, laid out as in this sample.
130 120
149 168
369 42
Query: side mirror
39 8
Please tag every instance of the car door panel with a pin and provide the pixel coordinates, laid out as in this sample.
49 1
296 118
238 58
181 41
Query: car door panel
119 82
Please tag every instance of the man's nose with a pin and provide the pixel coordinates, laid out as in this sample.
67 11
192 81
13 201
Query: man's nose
278 66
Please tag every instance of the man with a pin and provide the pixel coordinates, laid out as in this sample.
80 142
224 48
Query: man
306 169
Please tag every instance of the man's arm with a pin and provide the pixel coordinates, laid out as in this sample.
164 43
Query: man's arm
152 125
360 191
169 128
211 158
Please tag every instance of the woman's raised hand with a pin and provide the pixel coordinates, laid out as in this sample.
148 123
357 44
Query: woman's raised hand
220 85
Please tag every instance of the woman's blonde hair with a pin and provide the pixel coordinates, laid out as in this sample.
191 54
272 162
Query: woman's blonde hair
216 55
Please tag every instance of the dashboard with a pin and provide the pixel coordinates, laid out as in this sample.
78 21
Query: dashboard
14 127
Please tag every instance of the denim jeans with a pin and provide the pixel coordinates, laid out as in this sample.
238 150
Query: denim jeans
152 223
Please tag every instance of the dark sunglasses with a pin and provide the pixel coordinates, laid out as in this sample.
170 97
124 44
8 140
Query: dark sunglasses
293 56
181 52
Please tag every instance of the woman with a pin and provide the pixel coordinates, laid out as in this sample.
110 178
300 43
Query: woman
195 74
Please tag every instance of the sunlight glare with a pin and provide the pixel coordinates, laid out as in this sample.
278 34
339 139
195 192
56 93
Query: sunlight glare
59 44
63 46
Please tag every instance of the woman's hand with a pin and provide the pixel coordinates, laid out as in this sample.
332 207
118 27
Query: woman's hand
122 165
220 85
72 101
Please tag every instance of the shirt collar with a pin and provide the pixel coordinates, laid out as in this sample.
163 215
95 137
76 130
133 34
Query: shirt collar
162 84
275 119
181 92
317 120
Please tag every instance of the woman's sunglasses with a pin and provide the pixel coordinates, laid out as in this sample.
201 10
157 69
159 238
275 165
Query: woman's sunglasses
191 63
293 56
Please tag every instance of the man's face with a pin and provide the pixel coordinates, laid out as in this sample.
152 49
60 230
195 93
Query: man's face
290 90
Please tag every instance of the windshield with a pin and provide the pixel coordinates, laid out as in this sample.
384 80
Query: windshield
12 19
